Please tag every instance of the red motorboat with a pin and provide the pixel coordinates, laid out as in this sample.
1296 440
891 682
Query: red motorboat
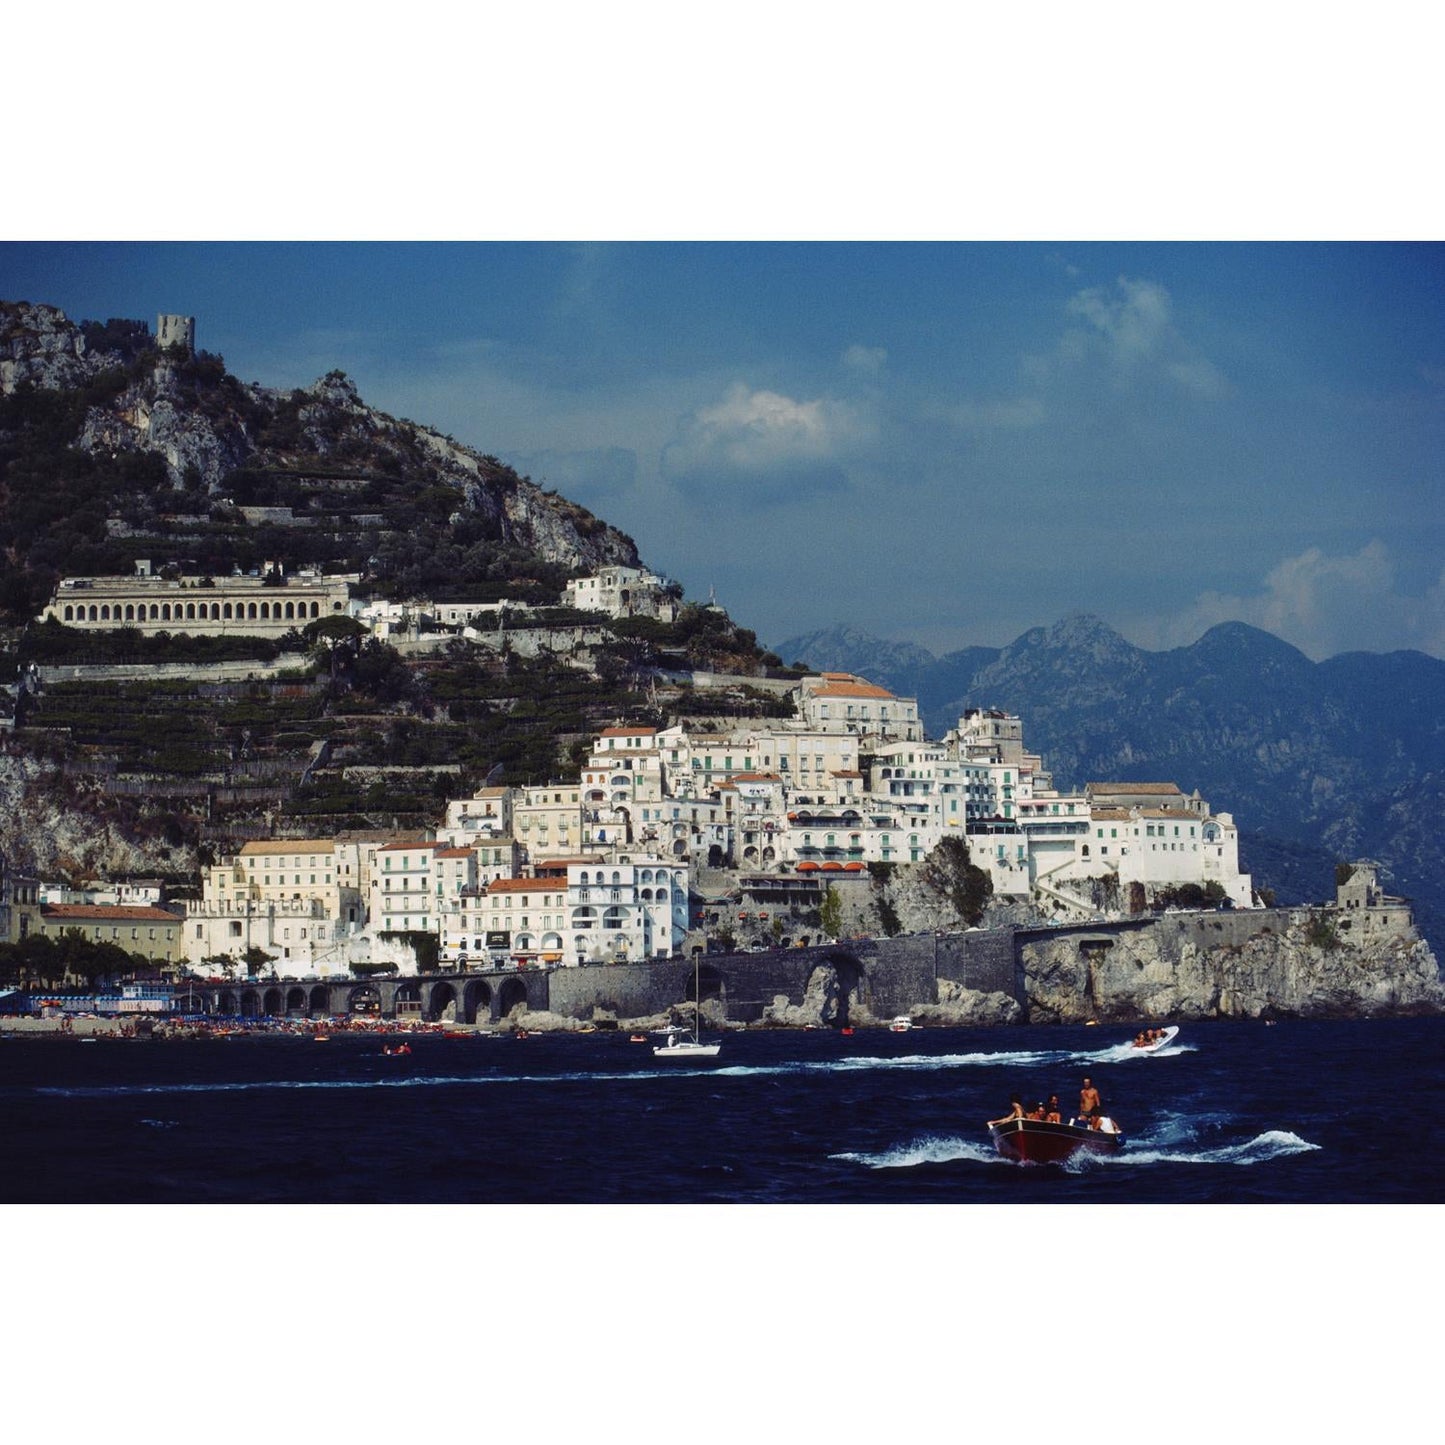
1031 1141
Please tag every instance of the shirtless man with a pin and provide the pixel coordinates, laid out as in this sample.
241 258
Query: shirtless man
1016 1111
1089 1101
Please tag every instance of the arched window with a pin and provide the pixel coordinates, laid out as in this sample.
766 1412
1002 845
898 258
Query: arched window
265 609
130 612
215 611
155 612
315 609
190 611
290 609
69 613
94 613
105 614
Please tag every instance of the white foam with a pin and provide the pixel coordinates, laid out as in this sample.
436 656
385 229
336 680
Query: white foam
929 1149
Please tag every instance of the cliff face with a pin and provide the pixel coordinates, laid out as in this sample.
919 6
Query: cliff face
205 427
1286 968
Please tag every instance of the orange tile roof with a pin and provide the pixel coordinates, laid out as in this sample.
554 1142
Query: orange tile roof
108 913
628 732
520 885
293 845
853 689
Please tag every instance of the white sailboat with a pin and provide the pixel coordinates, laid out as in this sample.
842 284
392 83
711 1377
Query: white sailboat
682 1044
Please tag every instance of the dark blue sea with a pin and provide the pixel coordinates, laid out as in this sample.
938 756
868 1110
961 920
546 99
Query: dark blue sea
1300 1113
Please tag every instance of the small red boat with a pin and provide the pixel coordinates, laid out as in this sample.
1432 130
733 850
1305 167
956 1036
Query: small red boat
1031 1141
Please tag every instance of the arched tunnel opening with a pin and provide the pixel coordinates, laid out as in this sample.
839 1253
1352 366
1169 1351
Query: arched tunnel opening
836 987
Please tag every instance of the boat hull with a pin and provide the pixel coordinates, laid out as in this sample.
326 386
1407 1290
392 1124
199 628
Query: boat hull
686 1050
1030 1141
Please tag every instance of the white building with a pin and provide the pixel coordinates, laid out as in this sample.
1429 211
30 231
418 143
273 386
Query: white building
623 592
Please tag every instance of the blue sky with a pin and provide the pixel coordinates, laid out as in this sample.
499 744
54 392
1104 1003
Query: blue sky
939 442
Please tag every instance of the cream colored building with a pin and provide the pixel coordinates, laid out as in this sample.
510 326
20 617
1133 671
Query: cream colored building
210 607
153 932
547 820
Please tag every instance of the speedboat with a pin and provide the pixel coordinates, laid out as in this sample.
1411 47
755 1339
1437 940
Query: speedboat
1031 1141
1166 1036
901 1024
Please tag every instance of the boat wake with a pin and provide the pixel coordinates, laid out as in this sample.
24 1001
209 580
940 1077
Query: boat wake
856 1063
1120 1052
1272 1144
930 1149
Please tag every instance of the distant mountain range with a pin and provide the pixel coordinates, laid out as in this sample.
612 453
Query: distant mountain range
1318 762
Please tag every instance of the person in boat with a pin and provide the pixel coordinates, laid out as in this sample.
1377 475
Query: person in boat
1089 1103
1053 1115
1037 1113
1016 1111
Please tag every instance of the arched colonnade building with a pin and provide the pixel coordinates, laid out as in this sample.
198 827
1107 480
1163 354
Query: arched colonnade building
203 606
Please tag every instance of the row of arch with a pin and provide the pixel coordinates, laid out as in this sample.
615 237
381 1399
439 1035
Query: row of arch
193 612
476 1001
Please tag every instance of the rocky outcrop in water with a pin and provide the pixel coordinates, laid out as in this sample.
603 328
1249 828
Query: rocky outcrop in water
1303 969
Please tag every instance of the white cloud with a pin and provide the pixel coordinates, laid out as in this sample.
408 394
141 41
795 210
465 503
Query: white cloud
1129 329
1323 605
1134 324
766 444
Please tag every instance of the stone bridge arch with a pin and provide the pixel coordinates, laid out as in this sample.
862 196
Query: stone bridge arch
512 992
364 999
250 1003
442 1004
838 987
273 1003
320 999
477 1001
707 982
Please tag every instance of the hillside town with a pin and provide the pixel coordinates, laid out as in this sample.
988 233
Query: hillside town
667 834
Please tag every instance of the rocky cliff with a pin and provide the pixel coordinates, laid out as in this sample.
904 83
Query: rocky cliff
1286 963
136 443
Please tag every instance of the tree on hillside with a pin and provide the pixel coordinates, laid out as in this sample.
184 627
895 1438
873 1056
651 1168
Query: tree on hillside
947 870
830 912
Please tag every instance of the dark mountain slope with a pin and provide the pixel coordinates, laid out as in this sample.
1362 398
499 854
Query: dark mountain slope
113 450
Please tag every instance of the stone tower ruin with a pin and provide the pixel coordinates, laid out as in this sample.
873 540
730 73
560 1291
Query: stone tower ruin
176 333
